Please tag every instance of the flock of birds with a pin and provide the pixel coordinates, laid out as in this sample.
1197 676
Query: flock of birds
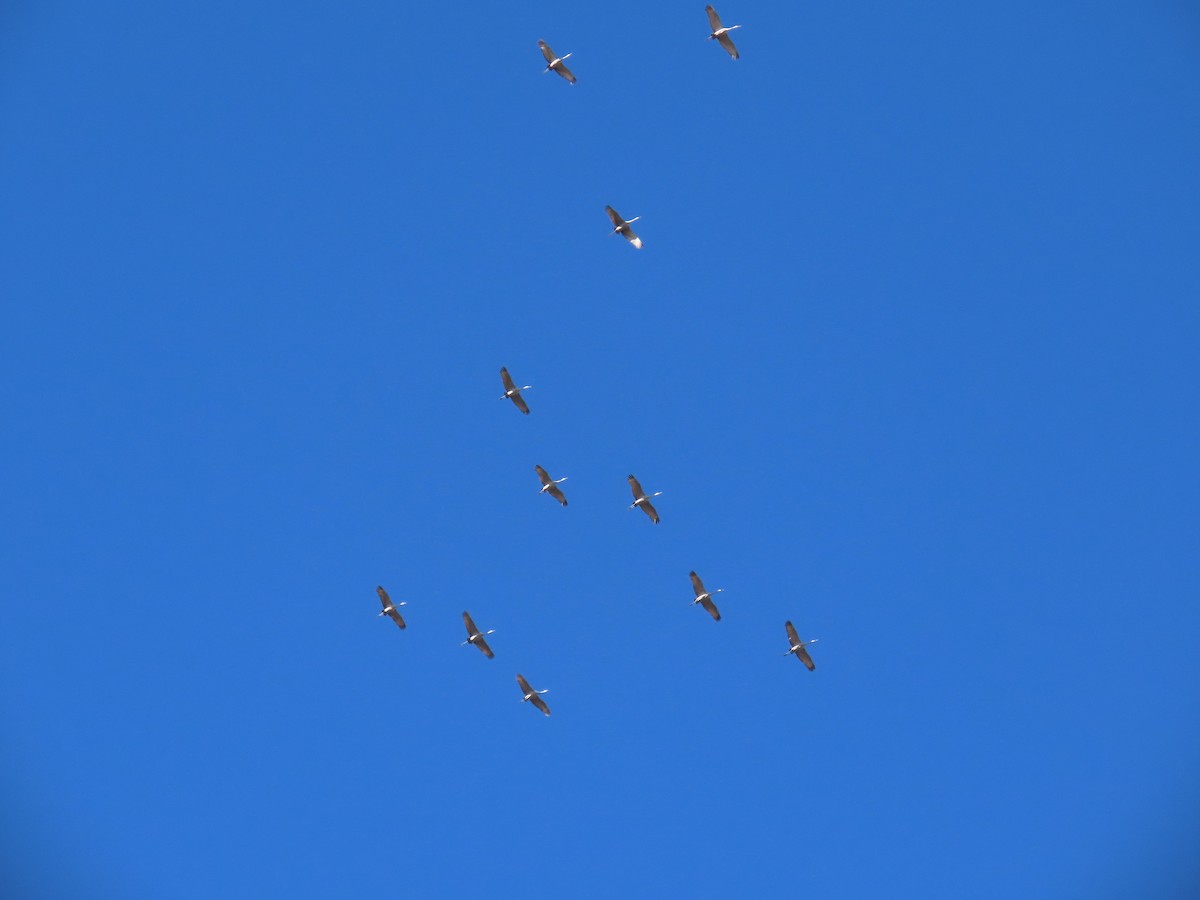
641 500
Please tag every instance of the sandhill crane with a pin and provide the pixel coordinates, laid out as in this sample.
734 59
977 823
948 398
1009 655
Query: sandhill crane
641 500
721 33
551 486
512 392
621 227
557 63
795 645
389 608
531 696
704 598
475 636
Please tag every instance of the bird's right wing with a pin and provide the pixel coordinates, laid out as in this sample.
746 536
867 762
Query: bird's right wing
565 73
394 615
470 623
483 645
525 688
793 638
520 403
540 704
713 19
557 494
509 385
546 51
712 608
697 584
803 656
636 487
615 216
544 476
727 42
631 236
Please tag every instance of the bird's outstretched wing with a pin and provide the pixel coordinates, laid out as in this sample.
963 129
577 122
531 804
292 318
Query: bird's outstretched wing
727 42
615 216
509 384
544 476
636 487
546 51
648 508
383 597
802 655
566 73
540 704
697 584
525 688
394 615
793 638
631 236
483 645
470 623
557 494
708 604
714 20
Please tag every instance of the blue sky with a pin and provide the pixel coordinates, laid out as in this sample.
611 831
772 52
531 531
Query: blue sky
910 349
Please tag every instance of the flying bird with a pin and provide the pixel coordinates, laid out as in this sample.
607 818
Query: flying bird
641 500
475 636
557 63
531 695
721 33
512 392
795 645
704 598
551 487
389 608
621 227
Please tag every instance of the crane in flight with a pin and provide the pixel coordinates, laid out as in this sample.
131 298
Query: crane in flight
705 598
389 608
796 646
551 486
720 33
641 501
621 227
475 636
531 696
555 63
512 392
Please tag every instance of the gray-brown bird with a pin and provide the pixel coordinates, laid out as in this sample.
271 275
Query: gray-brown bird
555 63
512 392
641 501
389 608
621 227
531 696
720 33
551 486
704 598
475 636
796 646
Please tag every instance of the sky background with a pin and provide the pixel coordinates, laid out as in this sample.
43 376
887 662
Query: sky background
911 350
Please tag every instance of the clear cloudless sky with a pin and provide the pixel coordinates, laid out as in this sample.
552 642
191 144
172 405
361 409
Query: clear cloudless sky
911 351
